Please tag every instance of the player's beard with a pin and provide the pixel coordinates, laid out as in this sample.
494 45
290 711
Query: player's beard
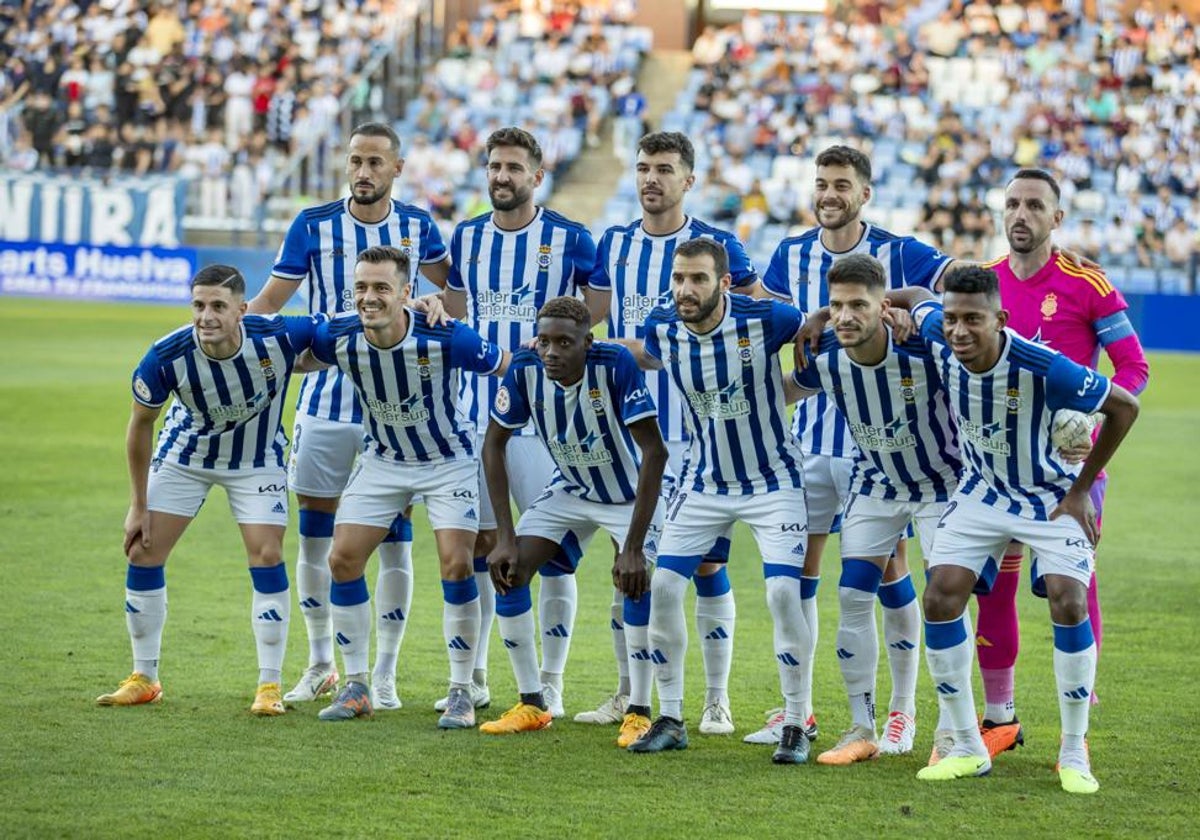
1031 244
844 215
704 308
370 198
518 197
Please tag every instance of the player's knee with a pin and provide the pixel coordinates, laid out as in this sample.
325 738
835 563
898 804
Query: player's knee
265 556
317 503
485 541
1068 602
344 566
783 595
668 587
938 603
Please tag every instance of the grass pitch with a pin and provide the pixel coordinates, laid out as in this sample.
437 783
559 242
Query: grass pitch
200 765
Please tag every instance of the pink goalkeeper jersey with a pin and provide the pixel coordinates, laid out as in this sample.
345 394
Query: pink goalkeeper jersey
1075 311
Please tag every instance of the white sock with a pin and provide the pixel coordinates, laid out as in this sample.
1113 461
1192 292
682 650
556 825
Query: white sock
460 627
637 632
514 613
858 652
393 600
808 606
557 601
352 629
620 651
668 639
487 615
715 618
902 635
793 645
270 614
145 616
950 650
1075 677
312 588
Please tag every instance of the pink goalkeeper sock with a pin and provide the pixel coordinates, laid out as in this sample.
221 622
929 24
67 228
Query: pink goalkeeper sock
998 635
1094 611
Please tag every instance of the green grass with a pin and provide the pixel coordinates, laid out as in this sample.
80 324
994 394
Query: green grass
200 765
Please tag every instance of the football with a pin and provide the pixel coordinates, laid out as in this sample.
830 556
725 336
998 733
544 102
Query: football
1071 429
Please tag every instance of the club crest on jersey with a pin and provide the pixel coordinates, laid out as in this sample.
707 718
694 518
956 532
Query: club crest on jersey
745 353
543 257
908 390
1012 401
142 389
503 400
268 370
423 370
1049 306
597 402
406 245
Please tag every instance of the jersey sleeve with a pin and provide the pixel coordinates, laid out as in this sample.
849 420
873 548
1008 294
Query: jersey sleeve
1073 386
583 258
651 340
785 322
511 405
150 387
470 351
599 278
1116 335
433 247
741 269
629 388
324 346
292 261
301 329
775 280
922 264
808 378
929 315
454 278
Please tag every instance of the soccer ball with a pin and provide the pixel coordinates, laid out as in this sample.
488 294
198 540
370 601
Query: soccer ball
1071 429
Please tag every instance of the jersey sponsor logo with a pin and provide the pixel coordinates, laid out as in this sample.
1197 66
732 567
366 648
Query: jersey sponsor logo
544 257
268 369
503 400
141 388
745 352
908 390
1049 305
407 412
586 453
726 404
347 300
238 411
272 488
1012 400
635 396
887 438
1089 382
986 436
636 308
464 494
1038 338
517 305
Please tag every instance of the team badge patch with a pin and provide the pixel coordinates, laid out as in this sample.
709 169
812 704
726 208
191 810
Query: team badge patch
503 400
141 388
1049 306
1013 400
745 353
908 390
543 257
597 403
268 370
406 245
423 370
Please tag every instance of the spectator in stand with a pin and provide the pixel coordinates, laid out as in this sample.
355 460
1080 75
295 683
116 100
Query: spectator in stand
1179 244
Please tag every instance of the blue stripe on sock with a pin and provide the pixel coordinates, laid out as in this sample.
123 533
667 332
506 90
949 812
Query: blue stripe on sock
940 635
898 593
771 570
400 532
1074 639
513 603
316 523
269 579
637 613
143 578
712 586
679 564
480 564
720 550
460 591
860 574
808 587
349 593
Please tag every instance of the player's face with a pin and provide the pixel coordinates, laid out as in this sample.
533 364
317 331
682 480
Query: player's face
662 180
838 196
696 288
371 167
1031 212
217 314
972 323
856 312
379 294
562 346
512 177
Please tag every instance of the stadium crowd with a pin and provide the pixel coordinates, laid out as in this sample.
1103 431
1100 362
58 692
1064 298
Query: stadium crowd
950 97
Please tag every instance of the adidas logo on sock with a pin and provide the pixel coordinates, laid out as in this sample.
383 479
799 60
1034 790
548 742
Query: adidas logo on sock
341 639
558 631
787 659
658 657
717 634
279 508
458 643
616 625
510 644
842 653
1080 693
270 615
946 688
642 655
310 603
394 615
130 608
903 644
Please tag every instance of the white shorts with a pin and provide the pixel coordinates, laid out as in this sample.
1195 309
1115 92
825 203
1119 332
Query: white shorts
556 513
529 468
676 451
322 455
256 496
874 527
974 536
778 520
379 490
826 487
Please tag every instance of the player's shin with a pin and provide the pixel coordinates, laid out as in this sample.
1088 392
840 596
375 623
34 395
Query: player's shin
902 635
808 606
270 614
621 651
636 617
793 642
857 638
668 630
460 627
715 617
998 640
514 613
487 615
948 652
393 595
1075 675
145 615
557 601
312 583
352 625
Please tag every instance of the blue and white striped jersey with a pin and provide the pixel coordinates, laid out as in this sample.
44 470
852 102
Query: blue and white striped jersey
636 266
226 413
733 395
586 425
797 273
320 250
409 389
1005 416
898 415
507 275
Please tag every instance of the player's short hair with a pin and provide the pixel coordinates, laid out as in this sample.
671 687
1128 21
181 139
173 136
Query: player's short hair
1038 175
220 275
519 137
568 308
702 246
660 142
857 269
378 129
846 156
386 253
972 280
